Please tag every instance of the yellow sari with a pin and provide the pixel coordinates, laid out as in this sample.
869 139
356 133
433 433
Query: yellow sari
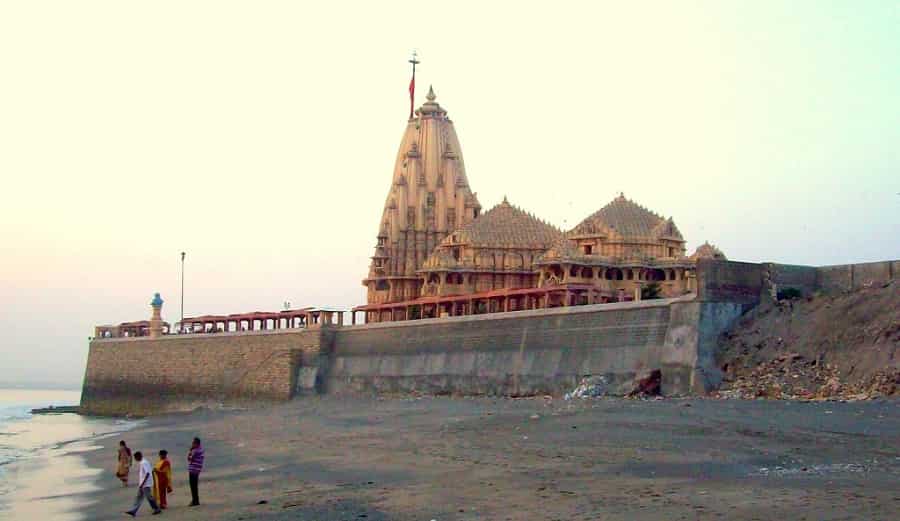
162 481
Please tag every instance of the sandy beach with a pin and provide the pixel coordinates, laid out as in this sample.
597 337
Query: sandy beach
464 459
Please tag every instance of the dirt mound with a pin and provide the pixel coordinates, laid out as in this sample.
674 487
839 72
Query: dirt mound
820 347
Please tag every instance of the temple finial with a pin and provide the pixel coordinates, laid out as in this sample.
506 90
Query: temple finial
430 96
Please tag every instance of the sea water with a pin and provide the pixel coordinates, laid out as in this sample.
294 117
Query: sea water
39 462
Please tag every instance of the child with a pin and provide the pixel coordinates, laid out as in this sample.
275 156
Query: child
162 479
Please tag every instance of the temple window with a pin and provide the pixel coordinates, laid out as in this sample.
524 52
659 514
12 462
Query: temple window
588 249
587 273
456 254
630 274
382 285
614 274
573 271
671 252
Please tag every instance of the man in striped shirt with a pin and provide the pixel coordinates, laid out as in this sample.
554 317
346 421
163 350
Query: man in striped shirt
195 466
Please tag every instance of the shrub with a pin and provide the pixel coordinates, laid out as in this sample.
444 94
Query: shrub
651 291
789 294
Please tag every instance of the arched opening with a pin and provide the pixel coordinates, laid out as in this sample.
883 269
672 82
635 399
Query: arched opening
629 274
573 271
382 285
655 275
587 273
614 274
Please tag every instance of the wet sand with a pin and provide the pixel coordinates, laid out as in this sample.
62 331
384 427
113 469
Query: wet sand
529 459
51 486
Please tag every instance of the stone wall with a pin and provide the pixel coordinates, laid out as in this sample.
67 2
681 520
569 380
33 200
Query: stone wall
847 277
143 375
516 353
729 281
802 278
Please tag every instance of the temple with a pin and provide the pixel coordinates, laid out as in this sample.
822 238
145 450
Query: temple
437 255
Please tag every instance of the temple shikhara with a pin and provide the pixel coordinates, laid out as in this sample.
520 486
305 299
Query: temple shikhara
437 254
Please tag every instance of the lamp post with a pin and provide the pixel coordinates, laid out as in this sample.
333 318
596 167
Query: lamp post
182 292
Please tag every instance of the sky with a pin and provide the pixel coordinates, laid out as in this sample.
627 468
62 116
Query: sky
259 137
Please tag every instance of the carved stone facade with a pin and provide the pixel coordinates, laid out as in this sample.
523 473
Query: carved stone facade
498 250
436 256
617 253
429 198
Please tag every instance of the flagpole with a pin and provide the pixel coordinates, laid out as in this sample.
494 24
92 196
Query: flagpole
412 85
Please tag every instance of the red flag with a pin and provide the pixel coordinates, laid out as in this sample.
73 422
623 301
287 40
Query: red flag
412 95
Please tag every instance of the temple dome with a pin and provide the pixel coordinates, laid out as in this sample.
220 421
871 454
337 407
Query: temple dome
627 220
708 251
506 226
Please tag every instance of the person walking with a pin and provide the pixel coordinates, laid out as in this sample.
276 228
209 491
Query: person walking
124 466
145 486
195 466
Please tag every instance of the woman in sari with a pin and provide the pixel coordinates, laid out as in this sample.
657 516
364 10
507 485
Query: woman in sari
124 467
162 479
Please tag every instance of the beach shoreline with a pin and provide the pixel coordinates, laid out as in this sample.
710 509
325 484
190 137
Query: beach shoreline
332 458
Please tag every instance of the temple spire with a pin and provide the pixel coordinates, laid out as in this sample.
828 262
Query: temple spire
430 96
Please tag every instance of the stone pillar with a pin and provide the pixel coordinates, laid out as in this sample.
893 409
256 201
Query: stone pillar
156 317
637 293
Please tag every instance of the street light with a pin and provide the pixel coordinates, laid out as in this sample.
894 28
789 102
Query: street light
182 292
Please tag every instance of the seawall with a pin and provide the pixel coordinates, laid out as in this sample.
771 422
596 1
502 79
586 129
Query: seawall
515 353
143 375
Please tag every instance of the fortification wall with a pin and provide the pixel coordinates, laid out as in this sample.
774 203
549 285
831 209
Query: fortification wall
802 278
729 281
848 277
143 375
517 353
